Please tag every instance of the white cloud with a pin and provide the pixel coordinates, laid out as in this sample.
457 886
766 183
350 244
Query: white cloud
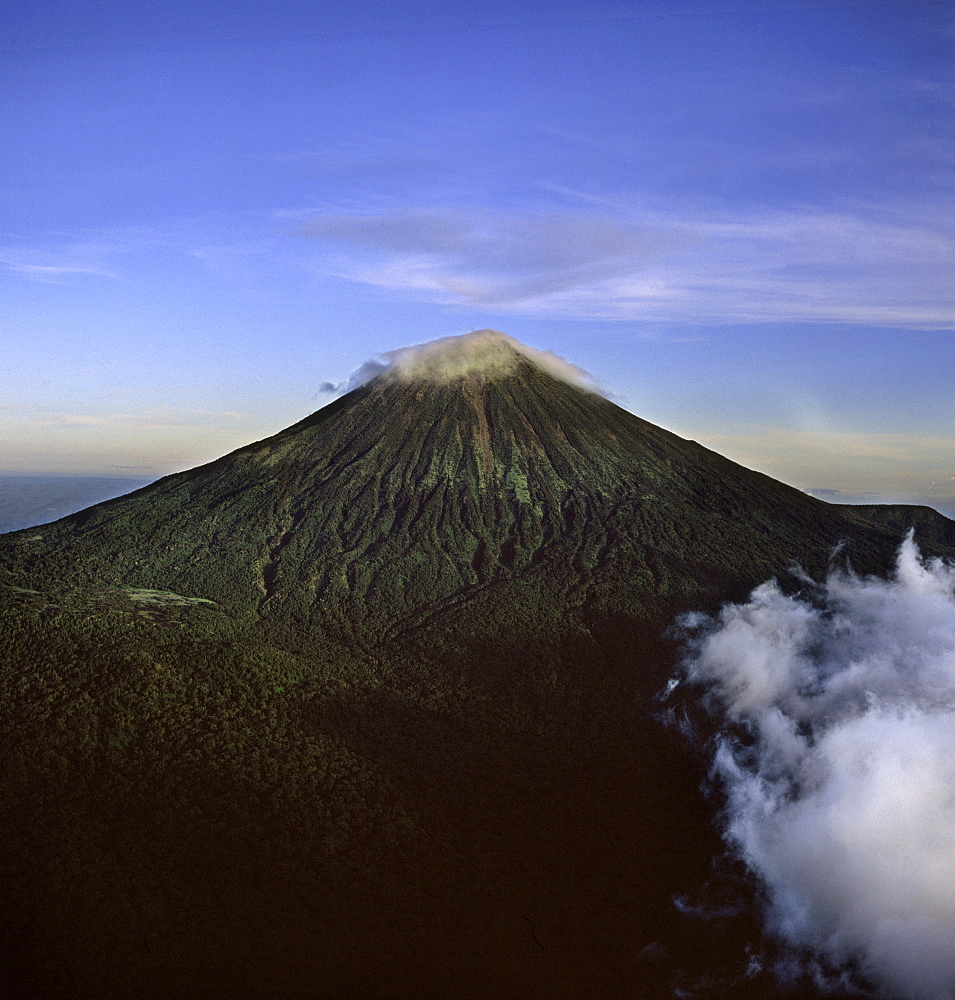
55 265
861 265
484 352
222 244
842 799
485 258
613 259
608 258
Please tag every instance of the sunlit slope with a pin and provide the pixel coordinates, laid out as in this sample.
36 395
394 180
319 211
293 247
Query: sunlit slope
404 495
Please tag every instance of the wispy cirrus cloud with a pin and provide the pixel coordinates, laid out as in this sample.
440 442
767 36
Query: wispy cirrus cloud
486 257
117 252
57 264
604 258
859 265
153 419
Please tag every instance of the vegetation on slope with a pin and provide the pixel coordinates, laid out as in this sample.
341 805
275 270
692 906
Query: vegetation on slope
368 709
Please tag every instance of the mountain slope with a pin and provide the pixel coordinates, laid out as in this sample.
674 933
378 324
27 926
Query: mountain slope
368 709
930 526
410 492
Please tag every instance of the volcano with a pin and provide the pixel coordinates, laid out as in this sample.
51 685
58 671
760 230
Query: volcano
463 467
369 708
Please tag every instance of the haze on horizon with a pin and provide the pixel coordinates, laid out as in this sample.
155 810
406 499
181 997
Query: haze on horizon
737 216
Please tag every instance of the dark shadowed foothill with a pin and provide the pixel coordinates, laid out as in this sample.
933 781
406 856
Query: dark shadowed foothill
370 708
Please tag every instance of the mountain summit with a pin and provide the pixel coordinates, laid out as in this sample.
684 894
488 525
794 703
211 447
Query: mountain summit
480 354
369 708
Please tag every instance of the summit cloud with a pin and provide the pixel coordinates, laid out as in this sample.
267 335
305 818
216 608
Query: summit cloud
485 352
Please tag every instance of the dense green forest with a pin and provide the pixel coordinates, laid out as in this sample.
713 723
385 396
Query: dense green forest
371 710
199 811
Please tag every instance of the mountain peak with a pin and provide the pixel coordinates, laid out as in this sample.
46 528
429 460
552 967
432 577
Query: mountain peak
481 353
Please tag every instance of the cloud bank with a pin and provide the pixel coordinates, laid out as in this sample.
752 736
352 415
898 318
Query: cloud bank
840 778
485 352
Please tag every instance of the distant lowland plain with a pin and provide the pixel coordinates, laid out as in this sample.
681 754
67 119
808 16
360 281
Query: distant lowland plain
28 500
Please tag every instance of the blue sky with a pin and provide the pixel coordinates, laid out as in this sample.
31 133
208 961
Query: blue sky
739 216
